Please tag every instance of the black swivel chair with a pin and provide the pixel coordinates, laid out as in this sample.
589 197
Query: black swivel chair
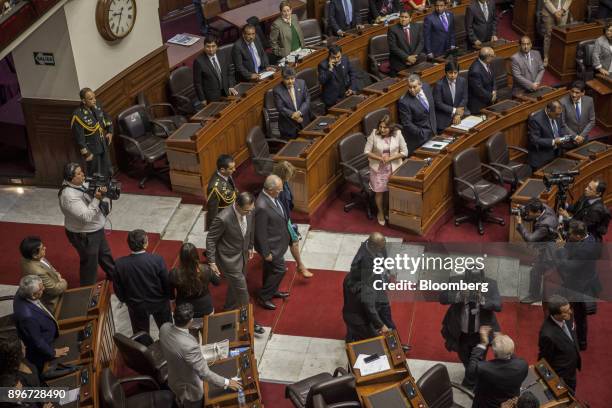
499 66
513 172
310 76
371 119
476 193
378 56
313 36
113 395
143 355
172 122
259 150
337 391
356 170
437 388
182 91
140 142
584 60
270 114
362 77
225 53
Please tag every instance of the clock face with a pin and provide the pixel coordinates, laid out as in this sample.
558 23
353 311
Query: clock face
115 18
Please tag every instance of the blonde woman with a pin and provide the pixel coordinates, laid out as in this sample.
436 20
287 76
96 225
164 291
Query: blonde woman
385 148
285 171
285 32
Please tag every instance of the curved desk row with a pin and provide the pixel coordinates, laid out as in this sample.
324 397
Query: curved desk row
194 148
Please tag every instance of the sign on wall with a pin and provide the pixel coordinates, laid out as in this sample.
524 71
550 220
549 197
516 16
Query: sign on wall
44 58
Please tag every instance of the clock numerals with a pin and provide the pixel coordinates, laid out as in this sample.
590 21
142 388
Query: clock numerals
121 15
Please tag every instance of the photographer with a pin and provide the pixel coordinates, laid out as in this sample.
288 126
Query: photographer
591 210
468 312
84 222
544 231
576 263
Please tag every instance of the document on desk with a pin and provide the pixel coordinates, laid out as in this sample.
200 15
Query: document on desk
468 122
184 39
71 396
266 74
373 367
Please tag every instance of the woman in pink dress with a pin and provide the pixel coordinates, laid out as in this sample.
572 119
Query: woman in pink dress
385 149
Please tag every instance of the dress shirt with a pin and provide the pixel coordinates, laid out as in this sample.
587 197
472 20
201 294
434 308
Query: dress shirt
563 325
485 9
528 58
82 213
276 202
255 54
452 85
42 307
444 20
45 262
423 99
291 91
241 220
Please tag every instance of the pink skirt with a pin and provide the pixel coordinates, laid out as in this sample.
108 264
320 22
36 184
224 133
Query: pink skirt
379 178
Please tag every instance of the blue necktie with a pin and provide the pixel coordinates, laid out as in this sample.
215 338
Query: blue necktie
348 11
423 101
578 111
567 332
251 49
444 21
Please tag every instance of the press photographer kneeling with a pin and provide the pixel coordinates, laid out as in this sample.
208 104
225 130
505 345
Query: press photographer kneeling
84 219
544 231
591 209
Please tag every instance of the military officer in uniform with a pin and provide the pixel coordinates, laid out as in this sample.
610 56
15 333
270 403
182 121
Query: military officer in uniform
93 132
221 191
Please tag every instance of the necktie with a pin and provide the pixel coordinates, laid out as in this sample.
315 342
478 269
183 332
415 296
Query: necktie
452 90
280 207
348 11
254 56
423 101
444 21
578 110
216 66
292 95
485 10
567 332
529 60
555 128
407 31
243 225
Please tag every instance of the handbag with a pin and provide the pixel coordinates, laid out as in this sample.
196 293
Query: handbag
215 351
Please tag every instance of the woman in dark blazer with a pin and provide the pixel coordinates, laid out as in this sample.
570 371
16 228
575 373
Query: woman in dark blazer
285 171
189 281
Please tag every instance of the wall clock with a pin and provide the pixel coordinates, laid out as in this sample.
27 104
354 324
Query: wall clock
115 18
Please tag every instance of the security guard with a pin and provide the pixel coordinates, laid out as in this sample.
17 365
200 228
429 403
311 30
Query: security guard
93 132
221 191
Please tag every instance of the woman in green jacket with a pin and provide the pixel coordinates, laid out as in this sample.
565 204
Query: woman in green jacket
285 33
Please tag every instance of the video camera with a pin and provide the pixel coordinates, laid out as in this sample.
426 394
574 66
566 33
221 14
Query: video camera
519 210
97 181
561 179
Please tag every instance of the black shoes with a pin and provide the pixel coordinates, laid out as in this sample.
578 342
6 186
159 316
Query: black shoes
281 295
266 304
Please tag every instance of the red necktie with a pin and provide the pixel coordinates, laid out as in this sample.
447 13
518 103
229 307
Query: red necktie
407 31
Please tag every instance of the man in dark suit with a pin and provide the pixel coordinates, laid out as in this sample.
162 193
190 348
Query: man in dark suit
591 209
468 311
272 240
211 74
482 91
141 282
417 113
292 101
558 343
36 326
579 111
546 129
497 380
381 8
343 15
250 58
337 77
439 31
576 263
481 23
405 43
450 96
221 190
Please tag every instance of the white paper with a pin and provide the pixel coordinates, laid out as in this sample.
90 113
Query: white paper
71 396
183 39
468 122
435 144
266 74
373 367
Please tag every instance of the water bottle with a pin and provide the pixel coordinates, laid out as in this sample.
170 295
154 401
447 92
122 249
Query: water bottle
241 399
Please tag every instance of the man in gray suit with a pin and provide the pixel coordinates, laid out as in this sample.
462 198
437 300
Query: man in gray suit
187 367
271 240
527 69
602 52
579 112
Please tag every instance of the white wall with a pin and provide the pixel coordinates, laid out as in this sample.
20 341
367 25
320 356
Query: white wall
98 60
42 81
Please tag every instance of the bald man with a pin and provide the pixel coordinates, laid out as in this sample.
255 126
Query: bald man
546 129
271 240
481 81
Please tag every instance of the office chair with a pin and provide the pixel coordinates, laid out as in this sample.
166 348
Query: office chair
143 355
313 36
259 151
310 76
172 122
371 119
499 66
113 396
337 390
270 114
584 60
182 91
378 56
513 172
356 170
437 388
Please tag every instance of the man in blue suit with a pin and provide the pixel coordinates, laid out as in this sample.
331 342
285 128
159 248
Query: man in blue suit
481 81
343 15
36 325
293 104
546 128
417 113
450 96
439 31
336 76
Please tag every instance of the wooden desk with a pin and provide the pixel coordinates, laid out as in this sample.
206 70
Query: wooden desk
589 151
80 304
563 43
524 17
265 10
81 342
547 387
180 55
235 325
243 366
603 100
402 394
83 378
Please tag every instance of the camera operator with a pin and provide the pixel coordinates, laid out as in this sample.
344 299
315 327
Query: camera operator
576 263
591 209
468 311
84 222
544 231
